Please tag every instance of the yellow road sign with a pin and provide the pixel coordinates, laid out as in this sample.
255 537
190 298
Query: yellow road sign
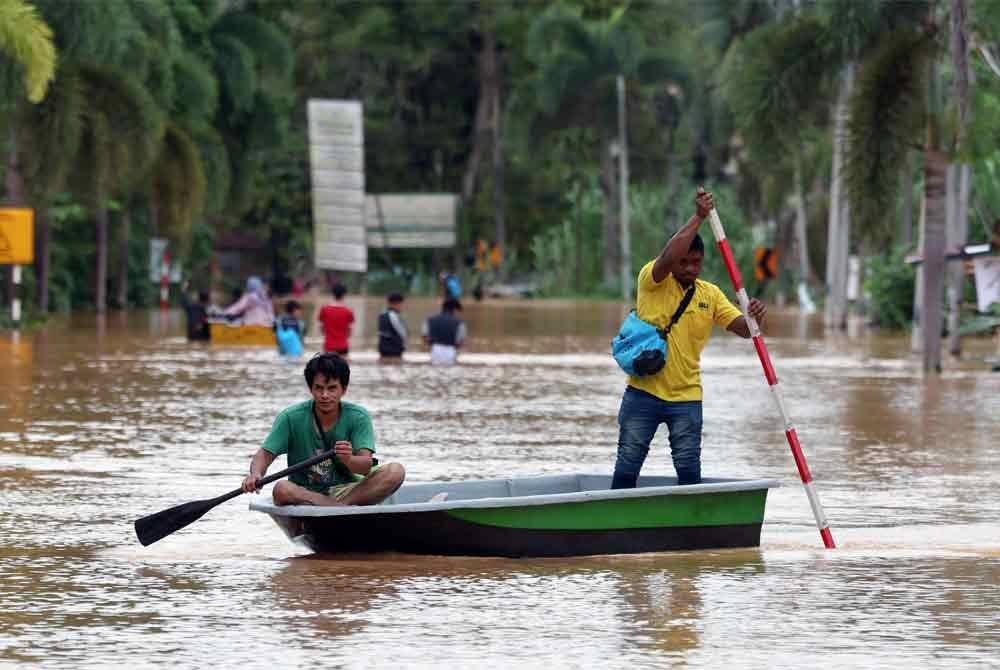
17 241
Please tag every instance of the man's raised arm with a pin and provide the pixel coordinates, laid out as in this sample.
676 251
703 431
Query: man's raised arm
678 245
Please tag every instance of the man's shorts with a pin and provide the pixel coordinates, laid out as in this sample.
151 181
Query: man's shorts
340 491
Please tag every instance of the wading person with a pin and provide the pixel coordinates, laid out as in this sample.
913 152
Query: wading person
290 330
254 306
444 333
673 395
392 331
335 321
317 425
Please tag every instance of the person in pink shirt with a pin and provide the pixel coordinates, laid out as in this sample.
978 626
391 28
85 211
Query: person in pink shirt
254 307
335 321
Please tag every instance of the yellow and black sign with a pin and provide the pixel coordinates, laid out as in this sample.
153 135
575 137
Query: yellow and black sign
17 239
765 266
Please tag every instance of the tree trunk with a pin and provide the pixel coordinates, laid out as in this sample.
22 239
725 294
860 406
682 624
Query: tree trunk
101 270
122 297
838 230
802 240
499 187
485 106
959 204
43 256
609 189
956 235
578 238
906 234
935 163
916 333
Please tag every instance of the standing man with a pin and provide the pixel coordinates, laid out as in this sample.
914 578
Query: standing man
444 333
313 426
335 321
392 331
673 395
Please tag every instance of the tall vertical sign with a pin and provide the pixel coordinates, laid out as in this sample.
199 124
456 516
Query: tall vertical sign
17 248
337 162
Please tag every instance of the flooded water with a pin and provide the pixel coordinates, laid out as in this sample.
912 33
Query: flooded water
103 423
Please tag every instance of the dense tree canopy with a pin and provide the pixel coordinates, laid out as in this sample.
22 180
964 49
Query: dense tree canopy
186 119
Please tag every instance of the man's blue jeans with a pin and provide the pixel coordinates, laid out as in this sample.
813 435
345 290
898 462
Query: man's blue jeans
638 418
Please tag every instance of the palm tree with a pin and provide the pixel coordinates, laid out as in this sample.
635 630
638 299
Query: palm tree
122 128
26 40
577 64
898 98
775 81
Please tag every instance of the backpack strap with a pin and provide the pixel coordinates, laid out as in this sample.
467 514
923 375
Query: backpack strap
685 301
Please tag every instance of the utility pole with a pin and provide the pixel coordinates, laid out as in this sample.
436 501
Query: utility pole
626 241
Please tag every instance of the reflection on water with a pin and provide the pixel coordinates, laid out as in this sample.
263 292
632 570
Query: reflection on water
103 422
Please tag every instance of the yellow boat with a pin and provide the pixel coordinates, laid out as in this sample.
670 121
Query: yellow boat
241 335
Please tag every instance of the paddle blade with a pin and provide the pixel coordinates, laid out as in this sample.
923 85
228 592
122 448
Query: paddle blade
157 526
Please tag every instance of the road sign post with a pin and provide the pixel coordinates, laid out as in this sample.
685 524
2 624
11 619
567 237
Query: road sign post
17 248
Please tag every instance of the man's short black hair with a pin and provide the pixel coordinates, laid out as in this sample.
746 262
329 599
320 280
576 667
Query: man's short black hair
203 297
451 305
339 291
697 244
331 366
394 298
291 306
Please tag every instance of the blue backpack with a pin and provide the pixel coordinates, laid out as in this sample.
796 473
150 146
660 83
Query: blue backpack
640 348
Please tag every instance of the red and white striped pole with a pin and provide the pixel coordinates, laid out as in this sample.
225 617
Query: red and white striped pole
165 280
772 380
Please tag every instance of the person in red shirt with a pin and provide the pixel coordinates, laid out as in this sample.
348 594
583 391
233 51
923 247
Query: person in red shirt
335 321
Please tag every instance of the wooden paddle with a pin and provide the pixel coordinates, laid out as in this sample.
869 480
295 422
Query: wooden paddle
157 526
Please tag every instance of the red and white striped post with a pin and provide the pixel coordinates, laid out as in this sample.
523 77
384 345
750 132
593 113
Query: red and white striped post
165 280
772 380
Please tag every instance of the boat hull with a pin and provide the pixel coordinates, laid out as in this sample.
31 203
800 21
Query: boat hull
241 335
437 533
579 523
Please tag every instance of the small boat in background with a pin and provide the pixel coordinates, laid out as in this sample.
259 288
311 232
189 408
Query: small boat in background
555 515
221 332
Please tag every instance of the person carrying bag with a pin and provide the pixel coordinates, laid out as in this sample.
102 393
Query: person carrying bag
640 348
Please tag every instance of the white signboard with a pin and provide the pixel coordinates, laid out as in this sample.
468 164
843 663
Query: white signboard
411 220
157 245
337 159
987 271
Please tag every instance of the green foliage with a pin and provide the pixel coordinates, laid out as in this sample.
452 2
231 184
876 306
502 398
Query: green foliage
27 39
178 184
567 257
122 129
775 80
53 130
891 283
887 117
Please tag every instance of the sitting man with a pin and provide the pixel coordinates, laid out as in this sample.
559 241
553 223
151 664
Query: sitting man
312 426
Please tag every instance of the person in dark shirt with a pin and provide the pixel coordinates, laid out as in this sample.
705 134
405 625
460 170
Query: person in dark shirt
392 331
444 333
197 316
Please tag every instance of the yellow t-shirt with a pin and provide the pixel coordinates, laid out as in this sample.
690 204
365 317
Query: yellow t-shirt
680 378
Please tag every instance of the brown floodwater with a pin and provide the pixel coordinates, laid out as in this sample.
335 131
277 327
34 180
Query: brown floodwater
101 423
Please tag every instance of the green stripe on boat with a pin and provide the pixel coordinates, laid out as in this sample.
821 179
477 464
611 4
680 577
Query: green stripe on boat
676 511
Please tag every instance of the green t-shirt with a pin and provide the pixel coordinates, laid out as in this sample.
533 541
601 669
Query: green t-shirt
294 433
